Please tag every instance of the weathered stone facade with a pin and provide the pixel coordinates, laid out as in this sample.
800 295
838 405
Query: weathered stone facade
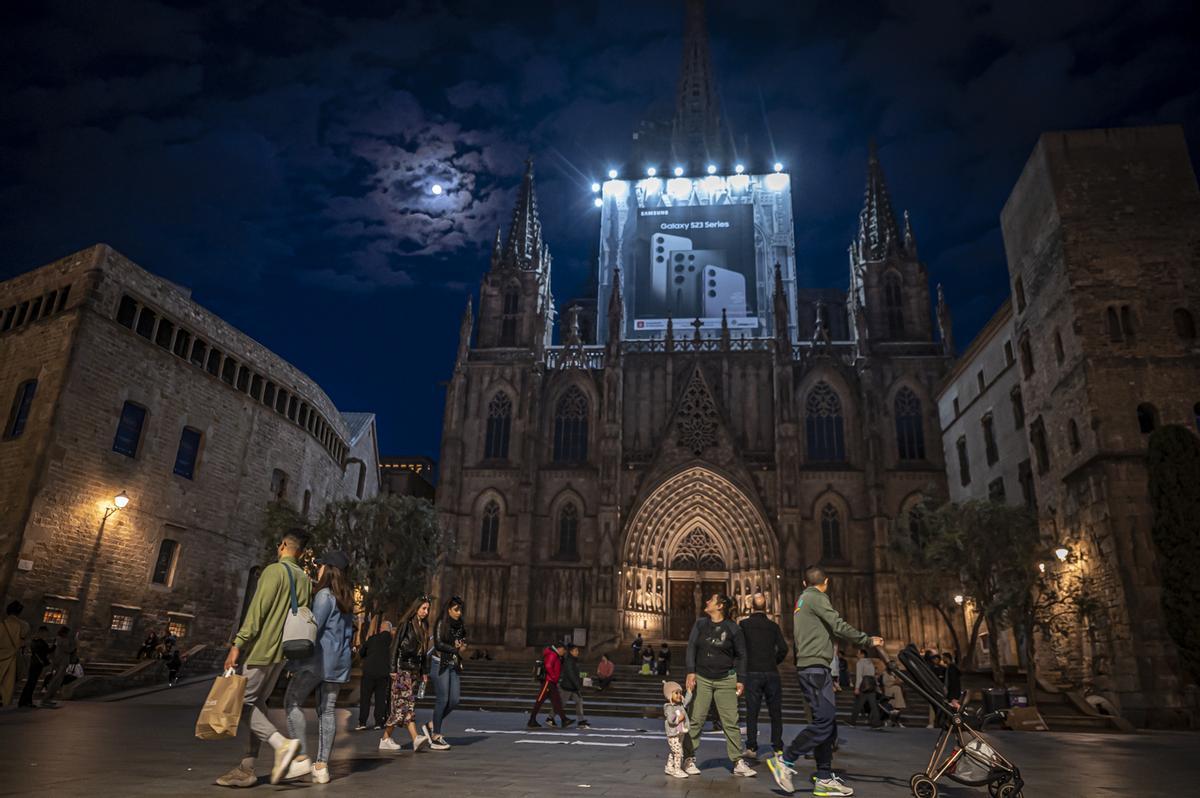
1102 233
257 428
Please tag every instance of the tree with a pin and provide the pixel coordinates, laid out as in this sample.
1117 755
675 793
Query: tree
393 543
1174 465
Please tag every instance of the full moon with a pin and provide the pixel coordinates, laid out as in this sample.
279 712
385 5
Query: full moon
436 189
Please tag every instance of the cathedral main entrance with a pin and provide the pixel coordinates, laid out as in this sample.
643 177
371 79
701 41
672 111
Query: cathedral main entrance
696 534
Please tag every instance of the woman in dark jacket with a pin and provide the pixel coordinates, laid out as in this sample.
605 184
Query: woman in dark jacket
408 670
449 643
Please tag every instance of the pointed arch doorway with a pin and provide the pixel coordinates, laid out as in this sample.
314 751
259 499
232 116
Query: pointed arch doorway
696 533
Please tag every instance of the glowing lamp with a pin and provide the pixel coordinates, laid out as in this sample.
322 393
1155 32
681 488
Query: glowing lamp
712 169
713 185
612 174
616 189
680 188
1042 567
739 182
959 599
651 185
595 188
651 172
678 171
778 166
435 189
739 169
1061 553
121 499
776 182
598 202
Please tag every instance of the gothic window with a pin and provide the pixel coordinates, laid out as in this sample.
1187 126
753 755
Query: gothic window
823 425
1018 407
1037 436
189 450
19 414
698 552
571 427
1147 417
129 429
508 322
893 302
1026 356
964 464
1073 435
831 533
989 439
910 434
568 531
1185 326
499 423
489 529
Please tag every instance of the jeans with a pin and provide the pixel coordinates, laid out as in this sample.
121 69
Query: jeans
723 693
298 689
377 688
869 703
446 683
35 671
760 686
260 683
573 696
819 736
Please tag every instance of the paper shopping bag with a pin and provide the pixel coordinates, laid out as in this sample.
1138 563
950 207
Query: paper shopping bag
223 708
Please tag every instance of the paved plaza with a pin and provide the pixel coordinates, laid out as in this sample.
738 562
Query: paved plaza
144 746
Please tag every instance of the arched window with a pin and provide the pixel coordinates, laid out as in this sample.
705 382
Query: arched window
831 533
1114 325
19 415
499 423
512 310
1073 435
823 425
910 433
568 531
571 427
893 302
489 528
1147 417
1185 326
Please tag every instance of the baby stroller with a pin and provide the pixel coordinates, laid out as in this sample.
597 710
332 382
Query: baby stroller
973 760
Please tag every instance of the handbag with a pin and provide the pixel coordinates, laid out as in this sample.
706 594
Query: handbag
299 625
222 710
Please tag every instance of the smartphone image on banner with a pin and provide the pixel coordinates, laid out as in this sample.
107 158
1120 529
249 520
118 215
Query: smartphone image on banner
661 246
724 290
687 280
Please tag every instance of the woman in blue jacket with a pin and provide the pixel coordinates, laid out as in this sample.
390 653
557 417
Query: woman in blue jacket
327 669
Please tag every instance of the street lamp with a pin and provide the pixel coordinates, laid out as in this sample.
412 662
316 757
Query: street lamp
1062 552
959 599
119 502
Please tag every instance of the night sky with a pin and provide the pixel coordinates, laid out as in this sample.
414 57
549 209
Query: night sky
277 157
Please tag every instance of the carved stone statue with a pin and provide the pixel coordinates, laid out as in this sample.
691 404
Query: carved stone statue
820 336
570 328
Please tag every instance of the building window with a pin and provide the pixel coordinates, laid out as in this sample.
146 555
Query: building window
164 566
964 464
1019 290
1026 356
571 427
568 531
910 432
129 429
1059 355
1025 477
823 425
1073 435
1119 321
19 415
213 366
189 450
127 312
1185 325
956 408
980 381
55 616
199 353
1008 353
1037 437
122 621
1147 417
989 440
893 302
183 340
499 423
1018 407
165 335
362 480
489 529
279 484
178 628
145 323
508 324
996 490
831 533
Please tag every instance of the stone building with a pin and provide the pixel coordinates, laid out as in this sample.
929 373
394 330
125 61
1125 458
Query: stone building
122 384
407 476
606 487
1102 234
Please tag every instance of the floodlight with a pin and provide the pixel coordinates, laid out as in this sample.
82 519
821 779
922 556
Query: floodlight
778 166
616 188
595 187
739 169
612 174
680 188
712 169
598 202
678 171
651 172
776 182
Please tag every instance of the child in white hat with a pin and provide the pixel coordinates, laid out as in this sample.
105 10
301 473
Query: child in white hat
676 723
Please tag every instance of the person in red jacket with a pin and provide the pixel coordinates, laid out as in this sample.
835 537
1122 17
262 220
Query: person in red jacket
552 660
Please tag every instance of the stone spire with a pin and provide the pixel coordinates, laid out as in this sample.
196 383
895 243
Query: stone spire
878 233
782 343
615 311
464 336
524 249
497 249
696 137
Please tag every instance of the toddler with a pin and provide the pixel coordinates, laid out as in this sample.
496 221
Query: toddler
676 723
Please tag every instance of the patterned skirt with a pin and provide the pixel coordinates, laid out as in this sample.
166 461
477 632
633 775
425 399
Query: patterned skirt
404 699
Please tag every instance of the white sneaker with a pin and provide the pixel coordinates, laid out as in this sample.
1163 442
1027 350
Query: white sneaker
284 755
439 744
388 744
301 766
782 772
420 741
675 771
742 769
320 775
689 767
361 727
832 786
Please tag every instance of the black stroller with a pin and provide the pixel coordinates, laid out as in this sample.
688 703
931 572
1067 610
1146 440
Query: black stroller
973 760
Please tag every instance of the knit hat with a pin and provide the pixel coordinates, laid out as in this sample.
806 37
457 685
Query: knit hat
669 689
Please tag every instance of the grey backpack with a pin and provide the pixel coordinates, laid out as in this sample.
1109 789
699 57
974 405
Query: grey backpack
299 625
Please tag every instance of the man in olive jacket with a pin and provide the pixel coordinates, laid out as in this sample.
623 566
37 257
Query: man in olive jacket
259 646
815 624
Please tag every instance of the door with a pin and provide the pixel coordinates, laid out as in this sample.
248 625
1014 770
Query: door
683 609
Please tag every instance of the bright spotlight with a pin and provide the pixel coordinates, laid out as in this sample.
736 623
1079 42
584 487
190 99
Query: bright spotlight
678 171
739 183
435 189
616 189
778 166
651 172
651 185
712 169
739 169
595 188
776 182
612 174
680 188
598 202
713 185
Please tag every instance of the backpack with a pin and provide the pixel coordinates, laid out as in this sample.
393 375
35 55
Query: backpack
299 625
539 670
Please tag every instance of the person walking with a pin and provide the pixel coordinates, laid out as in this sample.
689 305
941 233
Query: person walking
13 636
261 640
39 659
765 650
552 657
326 670
814 625
376 683
605 669
407 671
637 649
449 644
716 673
570 683
60 660
866 689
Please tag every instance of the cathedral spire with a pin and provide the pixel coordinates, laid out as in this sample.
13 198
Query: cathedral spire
615 310
464 335
878 233
696 129
782 344
523 250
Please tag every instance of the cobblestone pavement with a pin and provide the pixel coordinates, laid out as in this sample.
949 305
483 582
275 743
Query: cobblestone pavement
145 747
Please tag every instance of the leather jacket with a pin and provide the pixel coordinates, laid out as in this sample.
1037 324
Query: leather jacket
408 653
445 633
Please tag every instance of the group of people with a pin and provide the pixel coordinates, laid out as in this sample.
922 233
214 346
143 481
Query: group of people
33 656
650 665
395 665
163 647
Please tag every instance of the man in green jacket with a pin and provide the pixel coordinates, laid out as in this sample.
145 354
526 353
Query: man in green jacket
815 624
259 646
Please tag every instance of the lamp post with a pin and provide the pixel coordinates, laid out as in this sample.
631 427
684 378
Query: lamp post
119 502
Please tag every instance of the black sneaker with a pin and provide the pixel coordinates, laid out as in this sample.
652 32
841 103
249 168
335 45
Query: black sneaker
566 722
583 724
533 724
